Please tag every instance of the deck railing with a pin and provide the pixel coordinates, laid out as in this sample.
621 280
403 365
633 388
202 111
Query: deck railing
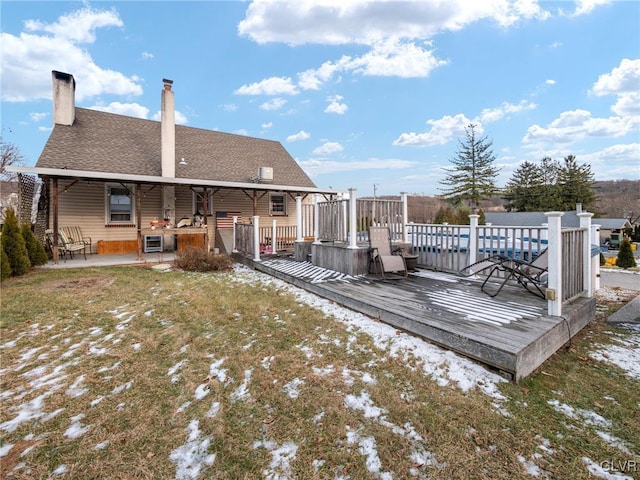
285 237
573 245
572 270
446 247
333 220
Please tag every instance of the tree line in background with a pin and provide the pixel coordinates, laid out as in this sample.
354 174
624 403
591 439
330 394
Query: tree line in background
547 186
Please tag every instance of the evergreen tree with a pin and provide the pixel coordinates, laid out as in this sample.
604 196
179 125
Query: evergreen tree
625 255
473 175
35 250
525 190
575 184
5 267
13 244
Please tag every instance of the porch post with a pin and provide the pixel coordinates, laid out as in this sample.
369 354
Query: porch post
233 242
345 220
139 219
405 216
256 238
554 290
316 219
205 207
299 237
352 219
595 260
585 224
472 245
274 235
54 200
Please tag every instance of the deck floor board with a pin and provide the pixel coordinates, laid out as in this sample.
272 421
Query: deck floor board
511 332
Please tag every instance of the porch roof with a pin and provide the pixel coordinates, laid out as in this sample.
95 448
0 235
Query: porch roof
150 179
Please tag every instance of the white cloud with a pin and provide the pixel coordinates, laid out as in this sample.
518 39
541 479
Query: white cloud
314 167
274 104
128 109
301 135
38 116
59 46
494 114
269 86
622 81
181 119
313 79
576 125
332 22
584 7
550 82
393 58
614 162
442 131
335 106
230 107
79 26
328 148
241 131
267 125
147 55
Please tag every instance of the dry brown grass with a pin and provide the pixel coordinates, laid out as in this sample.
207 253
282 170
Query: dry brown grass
121 331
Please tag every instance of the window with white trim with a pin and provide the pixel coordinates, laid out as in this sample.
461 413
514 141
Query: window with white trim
277 204
198 201
119 205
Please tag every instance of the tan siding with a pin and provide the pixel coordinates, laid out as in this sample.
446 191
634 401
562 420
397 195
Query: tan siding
83 204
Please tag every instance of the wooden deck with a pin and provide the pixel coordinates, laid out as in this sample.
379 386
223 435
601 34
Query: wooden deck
511 333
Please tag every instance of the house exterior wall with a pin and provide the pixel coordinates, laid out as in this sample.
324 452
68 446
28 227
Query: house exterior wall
83 204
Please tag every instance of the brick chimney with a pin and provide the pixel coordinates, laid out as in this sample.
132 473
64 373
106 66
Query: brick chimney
64 98
168 130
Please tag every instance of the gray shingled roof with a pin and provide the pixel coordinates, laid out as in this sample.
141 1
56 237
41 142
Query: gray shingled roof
521 219
106 142
611 223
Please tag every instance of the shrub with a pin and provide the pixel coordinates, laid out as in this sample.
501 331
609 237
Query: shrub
5 267
35 250
198 260
603 261
13 245
625 255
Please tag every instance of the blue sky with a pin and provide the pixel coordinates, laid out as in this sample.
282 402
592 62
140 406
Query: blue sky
361 93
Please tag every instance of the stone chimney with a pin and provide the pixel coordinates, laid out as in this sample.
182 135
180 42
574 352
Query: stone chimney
168 130
64 98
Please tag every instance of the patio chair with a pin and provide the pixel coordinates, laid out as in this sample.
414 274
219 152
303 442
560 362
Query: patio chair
64 245
381 255
531 275
74 235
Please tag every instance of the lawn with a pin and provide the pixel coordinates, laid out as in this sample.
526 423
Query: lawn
128 372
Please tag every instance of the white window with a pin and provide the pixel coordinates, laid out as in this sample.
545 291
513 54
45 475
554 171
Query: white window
277 204
119 204
198 201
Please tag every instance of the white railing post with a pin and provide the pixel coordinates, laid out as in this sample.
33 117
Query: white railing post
274 235
256 238
299 237
405 216
595 260
316 219
554 286
472 245
585 223
233 243
345 221
352 219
